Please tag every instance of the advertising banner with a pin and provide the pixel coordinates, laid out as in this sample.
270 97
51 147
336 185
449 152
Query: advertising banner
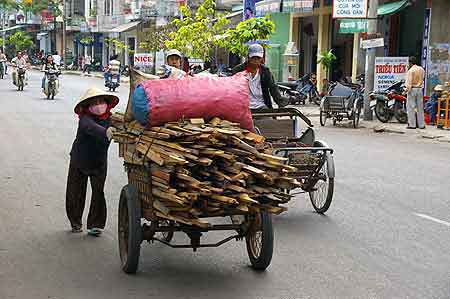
389 70
143 60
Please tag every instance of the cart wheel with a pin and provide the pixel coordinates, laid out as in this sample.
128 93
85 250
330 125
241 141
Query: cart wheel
130 230
166 236
356 115
323 118
259 241
322 196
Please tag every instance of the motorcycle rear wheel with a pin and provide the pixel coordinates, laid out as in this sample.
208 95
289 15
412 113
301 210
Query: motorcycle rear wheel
400 113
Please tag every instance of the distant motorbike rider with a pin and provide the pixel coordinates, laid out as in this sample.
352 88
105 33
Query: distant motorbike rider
113 69
18 61
3 61
48 65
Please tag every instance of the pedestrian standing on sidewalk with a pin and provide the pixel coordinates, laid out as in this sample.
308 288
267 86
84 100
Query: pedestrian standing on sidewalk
414 102
88 160
87 64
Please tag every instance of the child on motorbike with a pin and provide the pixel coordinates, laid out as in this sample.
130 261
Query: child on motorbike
88 160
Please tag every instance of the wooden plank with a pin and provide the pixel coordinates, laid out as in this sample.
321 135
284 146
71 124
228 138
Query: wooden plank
224 199
150 154
197 121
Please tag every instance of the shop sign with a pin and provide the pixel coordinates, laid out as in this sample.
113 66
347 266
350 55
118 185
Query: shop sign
372 43
143 60
298 5
352 26
426 44
389 70
345 9
267 7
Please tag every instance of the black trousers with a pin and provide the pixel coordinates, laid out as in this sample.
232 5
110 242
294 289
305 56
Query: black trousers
76 197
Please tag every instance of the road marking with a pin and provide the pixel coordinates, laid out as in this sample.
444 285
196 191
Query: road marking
433 219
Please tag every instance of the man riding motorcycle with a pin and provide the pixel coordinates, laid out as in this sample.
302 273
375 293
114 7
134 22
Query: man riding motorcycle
18 61
113 68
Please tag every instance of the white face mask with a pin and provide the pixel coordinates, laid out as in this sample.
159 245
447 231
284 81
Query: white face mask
98 109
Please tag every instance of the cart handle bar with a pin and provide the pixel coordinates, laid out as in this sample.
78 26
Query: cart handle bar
282 112
301 149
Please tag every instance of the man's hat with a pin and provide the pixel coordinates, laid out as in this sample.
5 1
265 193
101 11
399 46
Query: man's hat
255 50
174 52
93 93
439 87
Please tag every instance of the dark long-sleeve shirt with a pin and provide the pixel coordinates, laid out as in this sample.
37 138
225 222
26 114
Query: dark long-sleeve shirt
90 148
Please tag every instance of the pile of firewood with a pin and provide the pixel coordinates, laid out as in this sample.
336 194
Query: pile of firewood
203 169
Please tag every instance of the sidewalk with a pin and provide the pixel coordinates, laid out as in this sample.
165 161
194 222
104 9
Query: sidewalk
430 133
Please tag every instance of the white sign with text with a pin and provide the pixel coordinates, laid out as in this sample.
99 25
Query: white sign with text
389 70
345 9
143 60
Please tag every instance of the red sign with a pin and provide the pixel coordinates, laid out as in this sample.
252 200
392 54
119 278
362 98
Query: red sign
47 16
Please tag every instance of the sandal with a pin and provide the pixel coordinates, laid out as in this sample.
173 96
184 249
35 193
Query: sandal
95 232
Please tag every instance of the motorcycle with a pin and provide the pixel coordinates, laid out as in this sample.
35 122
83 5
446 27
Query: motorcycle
301 89
113 82
390 103
51 84
20 81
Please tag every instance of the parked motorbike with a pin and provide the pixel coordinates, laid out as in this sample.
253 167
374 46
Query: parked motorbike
300 90
51 84
113 82
125 71
20 81
390 103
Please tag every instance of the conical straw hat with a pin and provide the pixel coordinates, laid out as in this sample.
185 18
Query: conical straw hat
95 92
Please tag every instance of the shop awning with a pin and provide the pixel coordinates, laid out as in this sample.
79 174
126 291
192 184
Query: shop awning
125 27
13 28
393 7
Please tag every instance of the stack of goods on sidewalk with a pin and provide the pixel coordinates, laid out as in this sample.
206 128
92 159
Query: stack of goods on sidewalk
206 169
195 153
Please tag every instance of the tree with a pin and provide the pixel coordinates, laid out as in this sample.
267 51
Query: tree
327 58
36 6
119 45
155 39
20 40
195 34
236 39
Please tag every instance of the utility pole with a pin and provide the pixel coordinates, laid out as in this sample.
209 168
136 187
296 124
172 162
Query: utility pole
370 59
64 33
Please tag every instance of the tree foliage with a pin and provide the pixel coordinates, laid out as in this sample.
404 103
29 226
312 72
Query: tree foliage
196 33
156 37
236 39
119 45
326 58
36 6
20 40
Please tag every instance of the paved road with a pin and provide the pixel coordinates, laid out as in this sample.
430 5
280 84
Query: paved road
386 234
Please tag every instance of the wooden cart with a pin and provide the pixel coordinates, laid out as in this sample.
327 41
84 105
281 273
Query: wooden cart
139 221
313 158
